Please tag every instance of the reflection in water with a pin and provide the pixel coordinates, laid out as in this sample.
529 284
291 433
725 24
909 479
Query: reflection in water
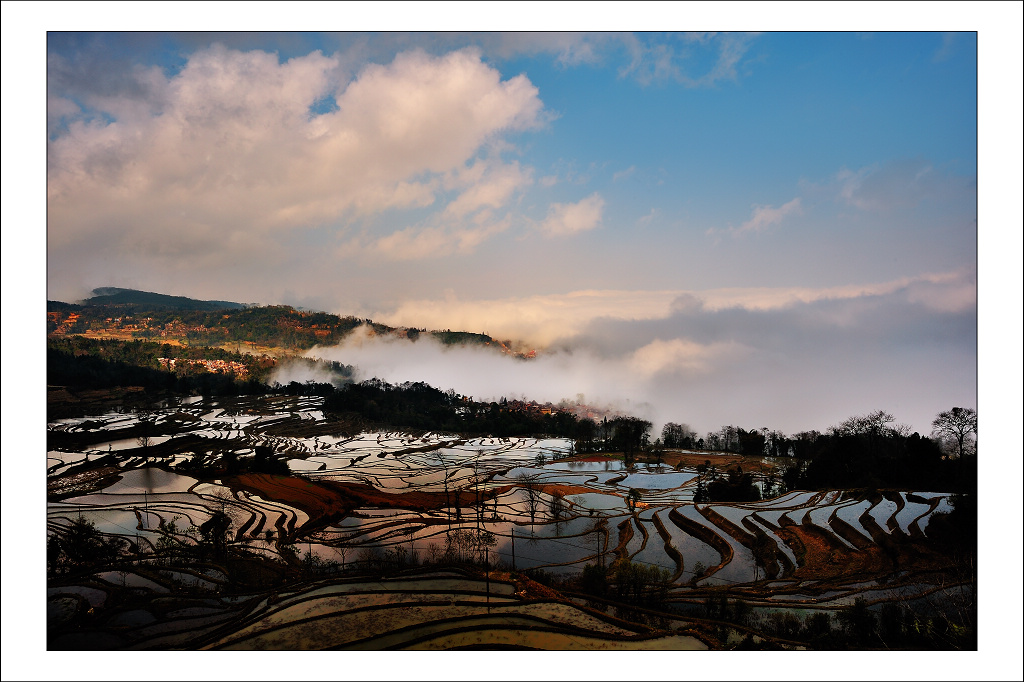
399 465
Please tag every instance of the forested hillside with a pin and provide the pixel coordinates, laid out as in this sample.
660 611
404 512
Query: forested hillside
128 314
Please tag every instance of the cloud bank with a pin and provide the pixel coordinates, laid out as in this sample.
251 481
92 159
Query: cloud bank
544 320
790 360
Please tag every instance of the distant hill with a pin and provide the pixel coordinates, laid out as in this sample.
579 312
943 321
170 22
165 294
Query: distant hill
128 313
151 300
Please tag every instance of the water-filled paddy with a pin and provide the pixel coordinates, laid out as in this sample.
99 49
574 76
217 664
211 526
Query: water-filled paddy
151 480
657 481
599 502
882 512
398 467
587 466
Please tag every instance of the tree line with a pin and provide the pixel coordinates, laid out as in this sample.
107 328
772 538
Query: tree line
78 362
863 451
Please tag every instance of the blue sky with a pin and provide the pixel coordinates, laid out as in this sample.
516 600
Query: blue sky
770 229
669 146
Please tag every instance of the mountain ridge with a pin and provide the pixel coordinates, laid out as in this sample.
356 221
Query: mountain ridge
137 297
116 312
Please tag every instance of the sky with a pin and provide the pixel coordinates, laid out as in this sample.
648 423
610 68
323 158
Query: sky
770 230
779 229
775 229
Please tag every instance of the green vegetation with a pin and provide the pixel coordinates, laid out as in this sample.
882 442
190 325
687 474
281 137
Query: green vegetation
417 405
81 548
735 486
450 338
866 452
150 316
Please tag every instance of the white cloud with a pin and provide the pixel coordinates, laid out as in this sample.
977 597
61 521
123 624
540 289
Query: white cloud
534 319
772 361
543 320
653 59
761 218
569 49
417 243
490 185
765 216
954 291
680 355
623 174
649 218
565 219
227 150
486 374
465 223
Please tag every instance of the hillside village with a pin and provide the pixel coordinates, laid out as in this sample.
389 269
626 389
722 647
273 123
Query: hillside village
262 327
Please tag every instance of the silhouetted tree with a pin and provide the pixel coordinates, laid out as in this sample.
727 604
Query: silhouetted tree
529 484
675 435
956 424
632 498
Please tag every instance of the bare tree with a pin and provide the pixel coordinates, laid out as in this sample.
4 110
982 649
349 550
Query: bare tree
658 451
557 506
956 424
483 542
476 486
529 484
447 497
147 421
676 435
873 424
598 529
632 498
874 428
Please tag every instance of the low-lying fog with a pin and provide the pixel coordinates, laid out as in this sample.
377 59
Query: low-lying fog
802 366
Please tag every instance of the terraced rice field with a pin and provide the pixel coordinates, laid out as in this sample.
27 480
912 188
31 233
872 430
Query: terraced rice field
352 499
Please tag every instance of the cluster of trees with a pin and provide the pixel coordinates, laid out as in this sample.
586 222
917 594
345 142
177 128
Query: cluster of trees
863 451
420 406
64 368
871 451
762 441
80 362
81 547
450 338
76 360
733 486
634 583
625 434
893 625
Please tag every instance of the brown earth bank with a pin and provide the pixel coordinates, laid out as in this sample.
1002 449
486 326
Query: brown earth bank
82 483
675 458
565 490
326 500
720 460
